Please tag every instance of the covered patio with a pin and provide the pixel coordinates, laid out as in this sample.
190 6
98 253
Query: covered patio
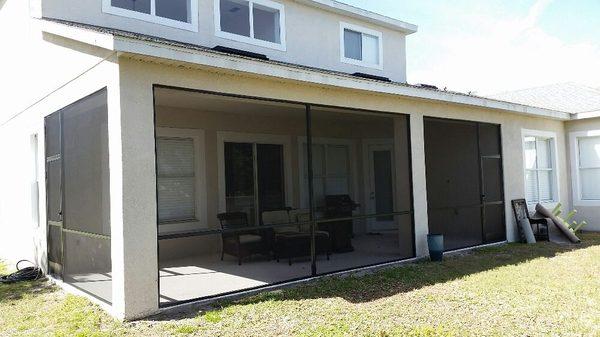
255 192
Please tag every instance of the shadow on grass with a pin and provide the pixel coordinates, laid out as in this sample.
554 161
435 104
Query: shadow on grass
16 291
392 281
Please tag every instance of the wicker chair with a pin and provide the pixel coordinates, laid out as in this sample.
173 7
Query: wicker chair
240 243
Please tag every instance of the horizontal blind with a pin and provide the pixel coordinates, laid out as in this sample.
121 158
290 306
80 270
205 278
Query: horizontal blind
370 46
589 168
353 45
531 186
539 169
589 152
545 168
590 184
176 179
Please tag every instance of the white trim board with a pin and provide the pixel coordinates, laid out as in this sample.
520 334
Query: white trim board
200 174
575 160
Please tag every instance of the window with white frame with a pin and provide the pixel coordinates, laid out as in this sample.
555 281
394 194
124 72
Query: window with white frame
331 171
361 46
258 22
176 179
588 151
540 168
175 13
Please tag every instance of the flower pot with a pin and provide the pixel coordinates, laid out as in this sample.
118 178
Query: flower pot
436 246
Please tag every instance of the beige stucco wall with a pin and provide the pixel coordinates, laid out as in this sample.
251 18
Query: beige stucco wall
40 74
138 78
591 214
27 76
22 196
313 35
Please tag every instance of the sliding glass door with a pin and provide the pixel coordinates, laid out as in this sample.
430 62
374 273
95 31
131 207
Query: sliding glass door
254 179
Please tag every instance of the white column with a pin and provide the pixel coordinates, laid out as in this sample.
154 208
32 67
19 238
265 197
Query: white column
133 199
417 138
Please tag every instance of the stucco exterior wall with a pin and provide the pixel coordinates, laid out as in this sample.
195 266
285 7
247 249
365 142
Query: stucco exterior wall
44 73
23 194
40 75
36 63
138 78
591 214
313 35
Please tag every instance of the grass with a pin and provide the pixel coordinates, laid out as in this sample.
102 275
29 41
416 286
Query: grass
511 290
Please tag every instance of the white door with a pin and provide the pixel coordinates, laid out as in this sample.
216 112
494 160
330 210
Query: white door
380 187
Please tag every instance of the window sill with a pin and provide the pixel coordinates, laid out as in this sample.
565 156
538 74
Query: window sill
361 63
586 203
251 41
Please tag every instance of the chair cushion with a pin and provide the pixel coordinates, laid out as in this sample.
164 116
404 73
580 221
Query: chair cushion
250 238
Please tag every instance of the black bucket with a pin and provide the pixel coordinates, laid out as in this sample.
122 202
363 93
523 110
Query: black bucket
436 246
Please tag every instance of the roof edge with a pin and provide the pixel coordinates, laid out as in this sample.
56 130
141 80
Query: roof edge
145 46
586 115
362 14
87 36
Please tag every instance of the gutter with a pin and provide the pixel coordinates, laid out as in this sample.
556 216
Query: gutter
361 14
127 43
586 115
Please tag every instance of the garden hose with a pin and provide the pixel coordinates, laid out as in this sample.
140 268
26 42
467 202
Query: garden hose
25 274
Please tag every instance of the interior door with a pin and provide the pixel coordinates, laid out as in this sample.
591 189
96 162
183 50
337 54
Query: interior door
381 186
54 195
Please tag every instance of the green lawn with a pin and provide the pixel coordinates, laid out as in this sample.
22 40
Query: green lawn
511 290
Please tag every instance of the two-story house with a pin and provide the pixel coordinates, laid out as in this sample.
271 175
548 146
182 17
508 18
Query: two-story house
164 152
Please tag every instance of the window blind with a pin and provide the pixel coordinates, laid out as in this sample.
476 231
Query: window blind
539 169
176 179
589 168
370 49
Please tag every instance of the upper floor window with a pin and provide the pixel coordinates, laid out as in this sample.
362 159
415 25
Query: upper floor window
361 46
174 13
540 166
258 22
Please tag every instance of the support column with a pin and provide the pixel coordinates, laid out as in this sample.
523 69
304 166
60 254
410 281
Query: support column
417 139
133 198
